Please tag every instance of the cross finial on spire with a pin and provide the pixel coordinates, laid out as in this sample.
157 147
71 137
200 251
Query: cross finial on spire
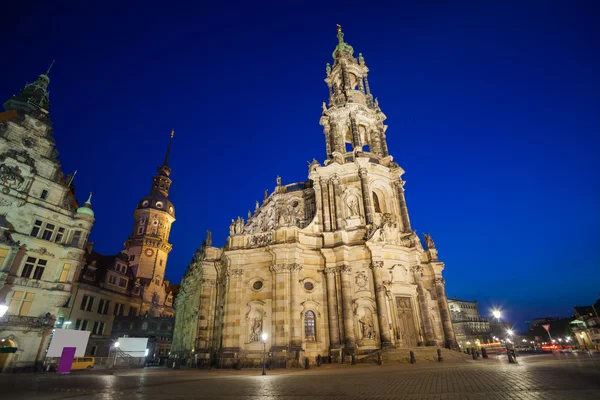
50 67
340 34
172 133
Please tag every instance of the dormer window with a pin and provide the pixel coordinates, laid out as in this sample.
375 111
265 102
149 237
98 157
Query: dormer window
159 204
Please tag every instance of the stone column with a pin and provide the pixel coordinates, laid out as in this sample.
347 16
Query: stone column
364 184
445 313
279 308
337 195
350 337
356 142
424 307
332 308
384 148
237 317
327 132
338 144
403 209
325 204
296 320
384 325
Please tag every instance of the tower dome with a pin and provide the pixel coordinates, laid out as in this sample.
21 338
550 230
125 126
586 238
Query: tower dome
86 208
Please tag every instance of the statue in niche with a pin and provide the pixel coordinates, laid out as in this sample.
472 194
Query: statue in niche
367 327
429 241
208 238
256 330
352 206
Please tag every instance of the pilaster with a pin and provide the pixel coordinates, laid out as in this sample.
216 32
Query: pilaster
332 307
445 313
384 325
350 336
364 184
423 306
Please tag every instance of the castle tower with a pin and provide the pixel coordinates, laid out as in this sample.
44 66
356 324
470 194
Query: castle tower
148 246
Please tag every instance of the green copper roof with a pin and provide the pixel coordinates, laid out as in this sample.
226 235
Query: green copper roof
342 46
86 209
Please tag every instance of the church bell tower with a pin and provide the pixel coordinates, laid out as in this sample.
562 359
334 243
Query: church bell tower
148 246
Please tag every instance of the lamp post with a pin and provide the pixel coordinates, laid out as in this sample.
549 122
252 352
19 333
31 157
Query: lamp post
582 336
511 359
116 345
264 340
497 314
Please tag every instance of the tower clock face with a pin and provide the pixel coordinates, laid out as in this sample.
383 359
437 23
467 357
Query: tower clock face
149 252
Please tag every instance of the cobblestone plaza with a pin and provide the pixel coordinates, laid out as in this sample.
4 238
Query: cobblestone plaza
535 377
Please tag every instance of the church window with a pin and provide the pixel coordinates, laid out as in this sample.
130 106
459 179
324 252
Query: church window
376 204
309 326
44 195
309 286
257 285
64 274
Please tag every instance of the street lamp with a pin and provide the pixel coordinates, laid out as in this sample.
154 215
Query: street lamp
116 346
497 314
264 340
583 340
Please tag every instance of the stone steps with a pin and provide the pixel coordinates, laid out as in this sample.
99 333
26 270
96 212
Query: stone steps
422 354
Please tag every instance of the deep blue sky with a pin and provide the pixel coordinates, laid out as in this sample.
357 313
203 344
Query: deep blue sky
493 110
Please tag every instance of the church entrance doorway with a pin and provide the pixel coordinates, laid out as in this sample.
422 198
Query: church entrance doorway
406 321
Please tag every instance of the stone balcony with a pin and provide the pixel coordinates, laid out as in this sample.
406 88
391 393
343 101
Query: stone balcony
18 321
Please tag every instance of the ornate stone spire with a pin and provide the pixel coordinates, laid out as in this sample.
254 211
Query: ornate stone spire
161 182
352 116
33 98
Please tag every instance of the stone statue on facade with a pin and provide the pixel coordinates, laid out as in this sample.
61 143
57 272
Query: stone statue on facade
324 107
367 327
429 241
278 180
208 238
256 206
239 225
249 214
256 330
353 206
232 228
266 195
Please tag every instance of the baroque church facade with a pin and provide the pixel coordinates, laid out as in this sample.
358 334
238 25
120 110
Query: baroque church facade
326 267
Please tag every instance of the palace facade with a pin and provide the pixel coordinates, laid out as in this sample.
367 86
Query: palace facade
330 266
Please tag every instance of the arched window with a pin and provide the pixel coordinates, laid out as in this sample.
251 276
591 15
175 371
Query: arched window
310 332
376 203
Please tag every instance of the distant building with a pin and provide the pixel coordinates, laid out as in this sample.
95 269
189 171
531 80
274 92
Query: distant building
43 232
586 326
132 283
469 326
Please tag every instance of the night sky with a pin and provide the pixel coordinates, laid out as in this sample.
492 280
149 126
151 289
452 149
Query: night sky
493 111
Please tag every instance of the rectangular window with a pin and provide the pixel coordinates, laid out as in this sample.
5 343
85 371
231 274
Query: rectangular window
100 329
48 231
116 310
77 324
3 254
100 306
161 263
76 238
36 228
133 311
20 303
90 304
132 257
64 274
32 264
84 302
59 235
112 279
93 350
95 328
106 305
140 230
122 282
44 195
84 325
39 270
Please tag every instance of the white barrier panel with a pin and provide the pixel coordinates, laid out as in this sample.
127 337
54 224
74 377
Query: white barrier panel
134 347
68 338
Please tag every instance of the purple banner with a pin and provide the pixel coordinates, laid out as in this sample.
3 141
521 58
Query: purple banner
66 360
